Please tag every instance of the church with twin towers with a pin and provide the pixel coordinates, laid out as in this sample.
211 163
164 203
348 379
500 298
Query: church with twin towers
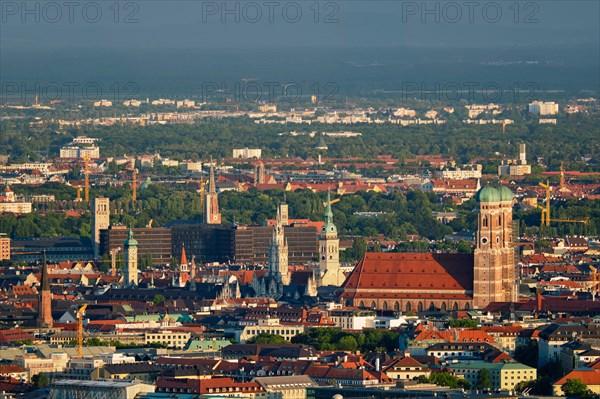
386 281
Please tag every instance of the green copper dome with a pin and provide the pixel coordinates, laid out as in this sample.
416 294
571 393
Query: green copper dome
130 241
488 194
505 194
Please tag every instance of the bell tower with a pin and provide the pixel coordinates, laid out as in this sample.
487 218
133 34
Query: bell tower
494 276
329 250
278 251
211 213
130 249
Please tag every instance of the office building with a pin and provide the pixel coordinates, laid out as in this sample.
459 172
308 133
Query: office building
152 242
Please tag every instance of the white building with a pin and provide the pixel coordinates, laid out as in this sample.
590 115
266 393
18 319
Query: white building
84 140
247 153
459 174
103 103
173 339
348 319
9 203
268 108
68 389
42 167
543 108
191 166
270 326
162 101
79 152
186 104
132 103
404 112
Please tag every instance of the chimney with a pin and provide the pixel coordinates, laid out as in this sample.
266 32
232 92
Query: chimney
406 353
377 364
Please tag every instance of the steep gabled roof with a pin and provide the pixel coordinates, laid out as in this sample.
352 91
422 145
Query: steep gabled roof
411 271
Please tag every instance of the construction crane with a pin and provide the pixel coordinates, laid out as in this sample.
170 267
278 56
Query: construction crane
546 219
80 314
202 185
134 184
113 260
86 173
333 201
134 173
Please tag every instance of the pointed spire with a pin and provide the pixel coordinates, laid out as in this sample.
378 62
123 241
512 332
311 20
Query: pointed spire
212 187
328 212
45 283
183 259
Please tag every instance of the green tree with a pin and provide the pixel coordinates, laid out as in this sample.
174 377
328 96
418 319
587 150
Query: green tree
266 338
347 343
40 380
445 379
484 380
527 354
575 387
158 299
463 323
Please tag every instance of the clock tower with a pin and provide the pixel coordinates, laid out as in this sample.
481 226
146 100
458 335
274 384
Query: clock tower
130 248
329 251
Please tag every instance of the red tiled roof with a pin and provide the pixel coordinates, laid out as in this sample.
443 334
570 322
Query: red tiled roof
589 377
10 368
455 335
406 361
410 272
205 386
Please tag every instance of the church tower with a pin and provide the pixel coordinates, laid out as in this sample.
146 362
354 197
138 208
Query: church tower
329 250
259 173
130 249
100 221
211 213
45 299
493 273
278 252
184 272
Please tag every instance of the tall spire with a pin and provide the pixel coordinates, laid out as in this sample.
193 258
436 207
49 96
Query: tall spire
212 187
45 300
211 212
328 212
45 286
183 259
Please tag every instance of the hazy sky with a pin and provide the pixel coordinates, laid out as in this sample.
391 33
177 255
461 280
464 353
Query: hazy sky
201 24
